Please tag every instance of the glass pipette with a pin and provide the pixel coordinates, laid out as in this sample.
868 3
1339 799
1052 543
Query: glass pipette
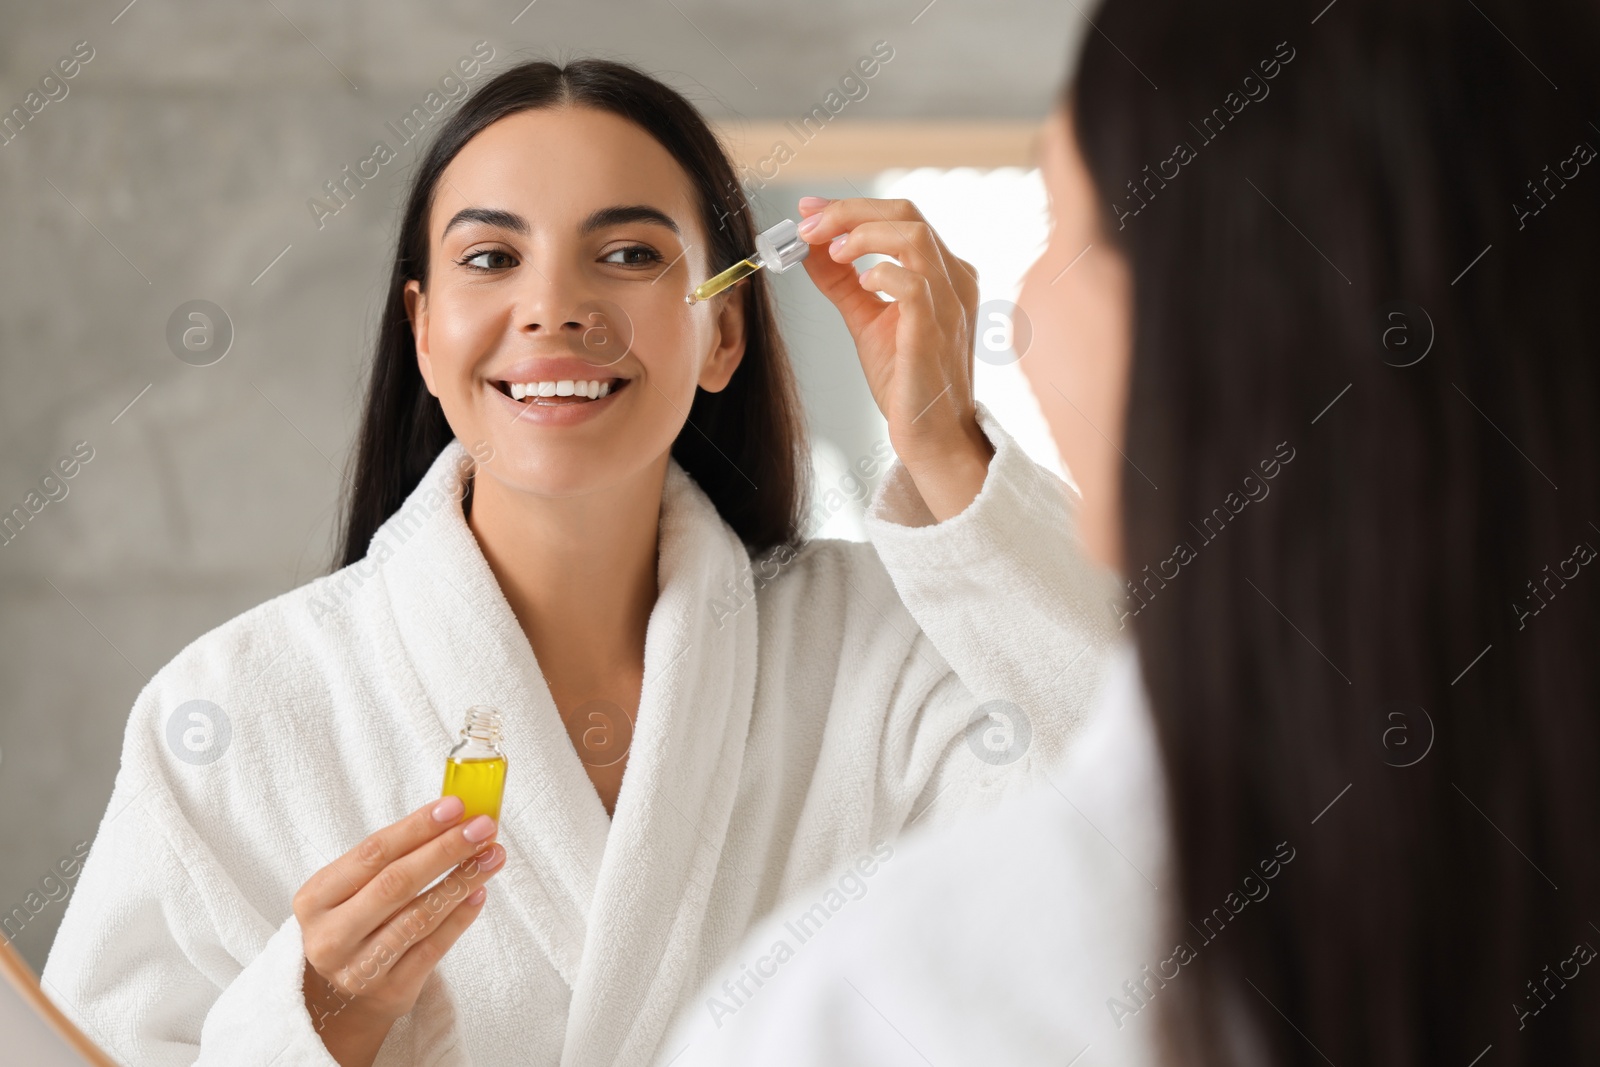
777 249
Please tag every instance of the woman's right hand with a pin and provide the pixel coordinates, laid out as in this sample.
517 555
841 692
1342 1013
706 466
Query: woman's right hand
372 936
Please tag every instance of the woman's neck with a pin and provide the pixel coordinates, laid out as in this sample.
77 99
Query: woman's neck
580 575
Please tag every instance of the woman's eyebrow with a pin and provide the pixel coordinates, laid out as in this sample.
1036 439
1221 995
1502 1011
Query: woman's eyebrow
505 220
598 220
615 216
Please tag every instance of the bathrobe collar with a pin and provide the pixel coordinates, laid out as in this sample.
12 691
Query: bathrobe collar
626 896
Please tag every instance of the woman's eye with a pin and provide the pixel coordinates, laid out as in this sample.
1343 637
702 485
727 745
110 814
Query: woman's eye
488 253
633 256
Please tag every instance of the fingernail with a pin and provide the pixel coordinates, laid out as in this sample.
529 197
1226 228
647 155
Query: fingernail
808 224
478 829
837 243
488 861
814 203
448 809
475 897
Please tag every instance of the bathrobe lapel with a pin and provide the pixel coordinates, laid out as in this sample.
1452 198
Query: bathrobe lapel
464 646
616 904
677 796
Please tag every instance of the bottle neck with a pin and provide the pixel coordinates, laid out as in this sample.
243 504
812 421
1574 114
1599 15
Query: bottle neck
480 737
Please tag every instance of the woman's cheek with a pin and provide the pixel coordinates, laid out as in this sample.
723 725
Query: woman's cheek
668 341
458 331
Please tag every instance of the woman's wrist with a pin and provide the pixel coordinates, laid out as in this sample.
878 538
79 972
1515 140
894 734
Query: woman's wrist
950 476
351 1033
353 1040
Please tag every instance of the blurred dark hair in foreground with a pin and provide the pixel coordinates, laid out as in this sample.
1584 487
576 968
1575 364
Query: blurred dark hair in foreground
1378 248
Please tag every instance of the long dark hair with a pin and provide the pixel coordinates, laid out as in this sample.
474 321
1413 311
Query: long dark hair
744 446
1379 649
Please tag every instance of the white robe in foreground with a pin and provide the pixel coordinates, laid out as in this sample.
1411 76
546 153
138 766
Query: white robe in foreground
1031 936
774 743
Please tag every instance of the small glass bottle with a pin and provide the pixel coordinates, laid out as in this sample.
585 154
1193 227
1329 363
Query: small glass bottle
475 770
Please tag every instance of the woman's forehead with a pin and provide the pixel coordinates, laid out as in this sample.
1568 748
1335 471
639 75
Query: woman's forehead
557 167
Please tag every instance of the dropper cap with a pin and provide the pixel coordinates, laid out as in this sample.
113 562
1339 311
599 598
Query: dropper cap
780 247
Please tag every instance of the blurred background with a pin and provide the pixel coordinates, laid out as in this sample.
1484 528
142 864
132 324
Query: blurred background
183 162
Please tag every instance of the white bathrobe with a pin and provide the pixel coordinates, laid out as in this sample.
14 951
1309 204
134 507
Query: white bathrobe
779 736
1034 935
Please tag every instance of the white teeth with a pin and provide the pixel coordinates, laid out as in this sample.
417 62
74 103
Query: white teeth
594 389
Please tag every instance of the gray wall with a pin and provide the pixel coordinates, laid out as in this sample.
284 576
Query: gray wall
178 167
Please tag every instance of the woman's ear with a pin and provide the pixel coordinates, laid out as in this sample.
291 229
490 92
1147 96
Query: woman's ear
417 312
727 343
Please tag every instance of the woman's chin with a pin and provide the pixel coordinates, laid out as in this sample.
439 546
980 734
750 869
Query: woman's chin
556 466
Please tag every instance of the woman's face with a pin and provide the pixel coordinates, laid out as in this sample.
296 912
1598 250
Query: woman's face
561 244
1078 300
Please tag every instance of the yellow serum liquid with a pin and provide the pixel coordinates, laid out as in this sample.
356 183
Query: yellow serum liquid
712 286
478 782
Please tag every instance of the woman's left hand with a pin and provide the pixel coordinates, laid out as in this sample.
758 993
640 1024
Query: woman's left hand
916 351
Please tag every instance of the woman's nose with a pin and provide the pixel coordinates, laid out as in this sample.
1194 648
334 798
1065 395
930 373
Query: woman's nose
552 302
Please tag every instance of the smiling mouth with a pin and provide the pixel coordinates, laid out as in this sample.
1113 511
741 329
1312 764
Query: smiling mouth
563 391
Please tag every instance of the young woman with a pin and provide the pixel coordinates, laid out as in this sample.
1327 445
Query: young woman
1341 807
578 500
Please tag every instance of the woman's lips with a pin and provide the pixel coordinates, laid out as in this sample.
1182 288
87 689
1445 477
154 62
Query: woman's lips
560 410
560 391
